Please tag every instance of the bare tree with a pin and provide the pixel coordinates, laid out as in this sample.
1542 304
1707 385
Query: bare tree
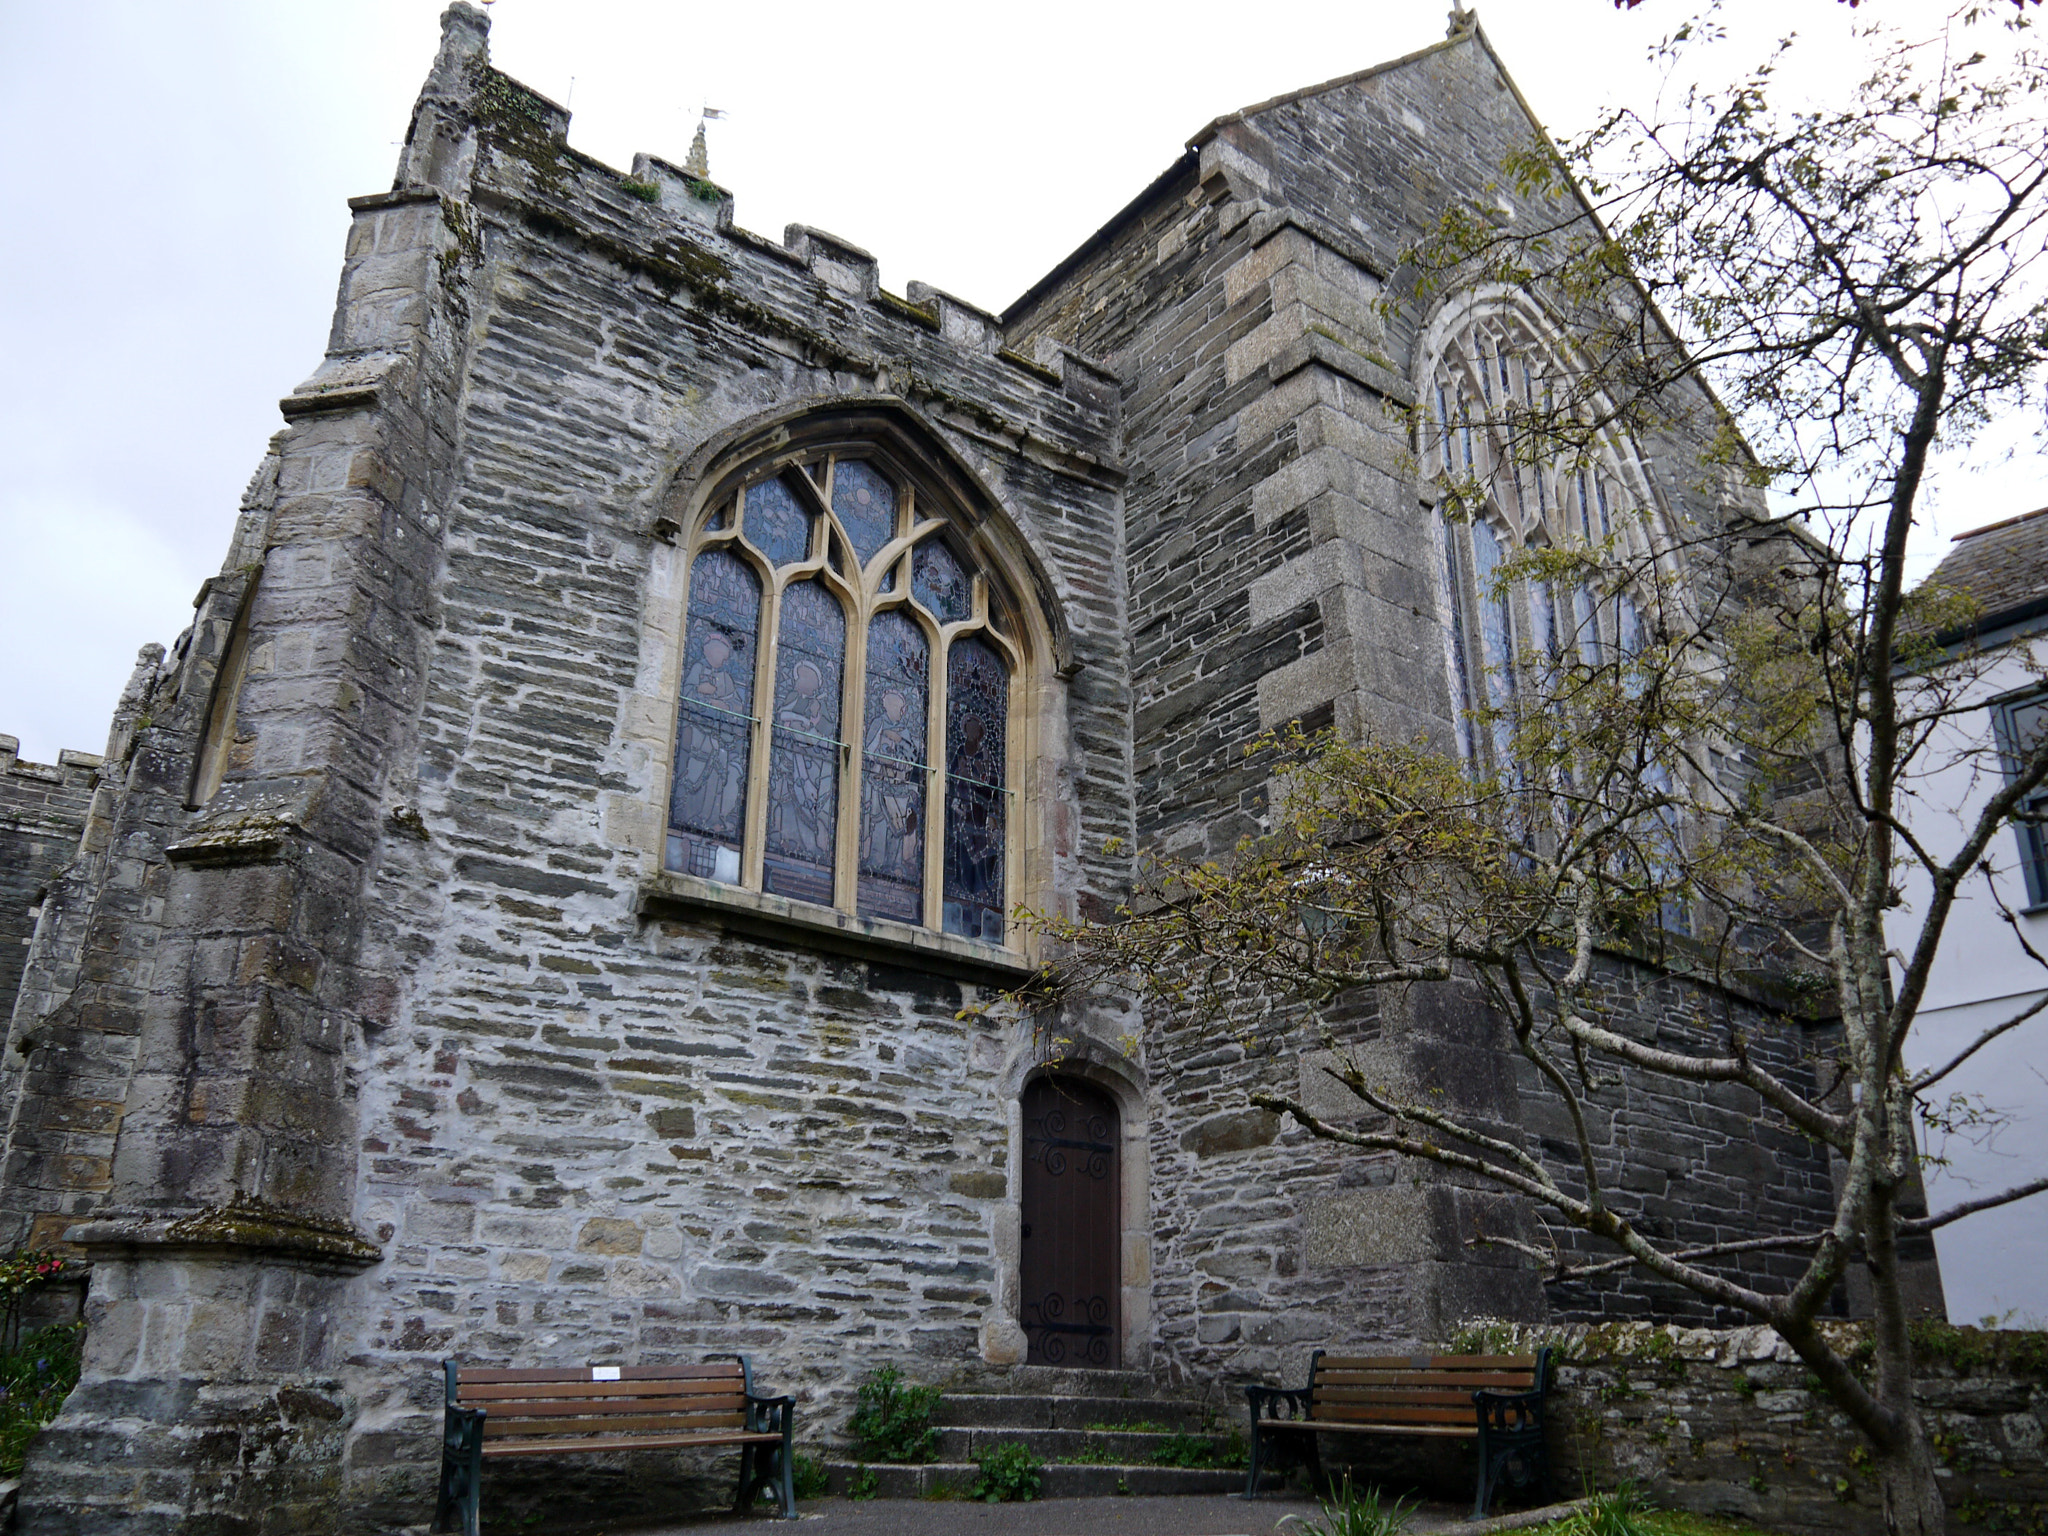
1826 296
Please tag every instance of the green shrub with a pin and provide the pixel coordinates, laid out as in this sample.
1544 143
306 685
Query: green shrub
28 1270
808 1477
864 1484
35 1378
646 191
893 1422
1622 1512
1357 1514
1010 1472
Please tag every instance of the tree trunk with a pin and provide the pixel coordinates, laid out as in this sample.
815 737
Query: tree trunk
1912 1501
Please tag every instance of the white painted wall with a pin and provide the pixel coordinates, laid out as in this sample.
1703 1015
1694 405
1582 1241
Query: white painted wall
1994 1264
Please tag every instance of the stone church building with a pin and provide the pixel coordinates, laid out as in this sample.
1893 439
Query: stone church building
529 916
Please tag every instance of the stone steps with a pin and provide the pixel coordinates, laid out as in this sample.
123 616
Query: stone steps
1118 1448
1051 1411
992 1410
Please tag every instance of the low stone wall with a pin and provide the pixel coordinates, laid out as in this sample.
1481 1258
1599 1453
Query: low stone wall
1730 1422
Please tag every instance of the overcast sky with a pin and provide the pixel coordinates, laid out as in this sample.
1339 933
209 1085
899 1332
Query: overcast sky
173 207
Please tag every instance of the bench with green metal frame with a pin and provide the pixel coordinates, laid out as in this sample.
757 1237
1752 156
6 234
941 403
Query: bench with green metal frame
595 1408
1495 1399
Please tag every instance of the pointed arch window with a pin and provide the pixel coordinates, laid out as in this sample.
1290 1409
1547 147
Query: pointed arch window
1488 383
848 678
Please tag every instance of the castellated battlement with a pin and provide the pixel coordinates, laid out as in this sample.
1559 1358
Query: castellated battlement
42 811
482 136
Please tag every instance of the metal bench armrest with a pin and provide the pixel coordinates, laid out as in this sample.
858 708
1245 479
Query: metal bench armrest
1266 1404
769 1415
1508 1412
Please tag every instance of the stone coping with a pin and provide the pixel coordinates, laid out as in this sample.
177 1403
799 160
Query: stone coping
806 925
243 1223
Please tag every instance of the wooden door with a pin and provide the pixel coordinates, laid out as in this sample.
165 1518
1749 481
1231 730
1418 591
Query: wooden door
1072 1277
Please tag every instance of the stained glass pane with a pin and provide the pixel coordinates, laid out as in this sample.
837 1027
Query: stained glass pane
939 582
1454 635
892 792
1496 635
977 712
865 504
708 795
776 523
803 758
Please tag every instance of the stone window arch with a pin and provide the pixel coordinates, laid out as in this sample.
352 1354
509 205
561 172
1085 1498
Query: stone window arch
849 713
1491 360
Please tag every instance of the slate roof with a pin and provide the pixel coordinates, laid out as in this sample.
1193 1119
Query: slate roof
2003 565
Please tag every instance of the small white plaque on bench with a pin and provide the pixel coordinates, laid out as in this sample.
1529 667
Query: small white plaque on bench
604 1373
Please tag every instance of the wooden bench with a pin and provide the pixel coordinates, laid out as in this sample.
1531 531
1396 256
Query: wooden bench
554 1412
1495 1399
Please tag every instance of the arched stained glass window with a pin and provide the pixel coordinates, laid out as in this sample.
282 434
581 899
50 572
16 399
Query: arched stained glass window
884 695
715 718
803 763
977 719
894 769
1508 480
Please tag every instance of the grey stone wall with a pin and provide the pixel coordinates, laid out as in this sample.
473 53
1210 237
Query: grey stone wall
42 812
1731 1423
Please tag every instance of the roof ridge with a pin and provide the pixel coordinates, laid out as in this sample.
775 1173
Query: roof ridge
2004 522
1215 125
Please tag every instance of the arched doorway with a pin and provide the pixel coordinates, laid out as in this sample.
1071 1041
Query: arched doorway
1071 1273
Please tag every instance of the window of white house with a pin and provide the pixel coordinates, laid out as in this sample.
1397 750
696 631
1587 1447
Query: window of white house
843 728
2020 724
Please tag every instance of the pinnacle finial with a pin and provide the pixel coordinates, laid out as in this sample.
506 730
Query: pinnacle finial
1461 19
699 163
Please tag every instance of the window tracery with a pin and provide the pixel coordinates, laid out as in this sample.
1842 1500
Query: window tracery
848 675
1511 478
1506 488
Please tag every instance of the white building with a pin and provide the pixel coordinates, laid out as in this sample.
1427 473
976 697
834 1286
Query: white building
1993 1264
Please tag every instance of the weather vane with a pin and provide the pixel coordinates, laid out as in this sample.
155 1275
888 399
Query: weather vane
699 163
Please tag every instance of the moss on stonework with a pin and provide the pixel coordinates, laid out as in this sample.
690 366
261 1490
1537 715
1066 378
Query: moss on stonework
676 265
520 123
247 1222
467 247
1936 1345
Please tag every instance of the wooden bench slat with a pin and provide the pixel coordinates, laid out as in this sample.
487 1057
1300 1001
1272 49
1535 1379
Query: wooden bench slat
1391 1413
1337 1426
583 1407
465 1375
711 1423
623 1390
627 1443
1428 1362
1450 1397
1444 1379
708 1402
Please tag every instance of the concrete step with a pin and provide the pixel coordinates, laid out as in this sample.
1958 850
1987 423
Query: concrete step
1120 1448
1066 1381
942 1478
992 1410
